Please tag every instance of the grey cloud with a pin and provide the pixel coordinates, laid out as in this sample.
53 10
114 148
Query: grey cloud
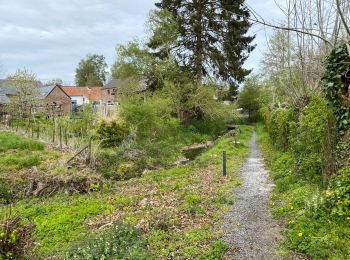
50 37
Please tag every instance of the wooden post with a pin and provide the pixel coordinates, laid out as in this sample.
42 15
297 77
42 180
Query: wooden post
53 133
89 152
60 136
224 163
65 136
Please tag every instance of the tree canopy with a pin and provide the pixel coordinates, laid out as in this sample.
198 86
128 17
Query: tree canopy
27 94
91 71
211 38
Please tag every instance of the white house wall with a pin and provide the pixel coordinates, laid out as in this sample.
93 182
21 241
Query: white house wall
80 100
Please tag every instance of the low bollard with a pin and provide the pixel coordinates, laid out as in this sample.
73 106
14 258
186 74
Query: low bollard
224 163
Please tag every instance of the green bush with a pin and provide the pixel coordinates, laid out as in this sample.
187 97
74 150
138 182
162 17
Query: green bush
317 222
338 195
151 119
309 139
278 125
112 133
121 242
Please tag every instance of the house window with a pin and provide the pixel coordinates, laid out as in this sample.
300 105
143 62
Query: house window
108 92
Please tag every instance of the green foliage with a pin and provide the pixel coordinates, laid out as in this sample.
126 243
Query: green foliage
138 62
317 222
14 238
191 204
309 138
120 242
19 160
216 251
11 141
216 48
194 101
154 202
91 71
338 195
252 97
56 228
112 133
336 89
278 123
151 119
6 193
18 153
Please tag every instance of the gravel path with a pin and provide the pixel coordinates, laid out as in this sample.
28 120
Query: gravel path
249 227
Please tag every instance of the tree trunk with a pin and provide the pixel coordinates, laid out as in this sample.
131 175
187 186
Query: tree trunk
199 44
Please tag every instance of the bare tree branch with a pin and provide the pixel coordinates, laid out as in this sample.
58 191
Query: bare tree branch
340 11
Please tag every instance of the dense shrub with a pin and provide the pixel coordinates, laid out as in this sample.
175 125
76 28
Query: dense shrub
279 126
121 242
151 119
306 208
112 133
14 238
338 194
310 138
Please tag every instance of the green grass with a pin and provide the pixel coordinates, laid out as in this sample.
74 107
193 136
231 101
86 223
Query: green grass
178 211
61 221
10 141
17 153
297 202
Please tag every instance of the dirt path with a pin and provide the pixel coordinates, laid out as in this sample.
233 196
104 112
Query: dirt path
249 226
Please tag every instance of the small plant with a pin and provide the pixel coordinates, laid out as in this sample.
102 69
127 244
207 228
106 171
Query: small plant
192 204
14 238
121 242
6 193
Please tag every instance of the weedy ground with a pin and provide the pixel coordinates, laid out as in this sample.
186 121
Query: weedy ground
299 205
178 211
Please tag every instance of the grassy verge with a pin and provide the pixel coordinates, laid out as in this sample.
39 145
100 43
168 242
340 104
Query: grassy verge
178 211
298 203
18 153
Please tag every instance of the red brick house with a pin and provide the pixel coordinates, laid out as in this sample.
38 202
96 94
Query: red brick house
109 91
69 98
56 96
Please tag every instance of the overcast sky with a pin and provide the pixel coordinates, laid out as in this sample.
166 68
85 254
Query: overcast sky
51 37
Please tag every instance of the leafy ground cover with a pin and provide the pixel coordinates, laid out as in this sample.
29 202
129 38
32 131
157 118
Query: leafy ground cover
18 153
300 205
178 211
28 167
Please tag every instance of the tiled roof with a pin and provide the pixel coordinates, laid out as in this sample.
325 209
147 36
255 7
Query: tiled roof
46 90
91 93
119 83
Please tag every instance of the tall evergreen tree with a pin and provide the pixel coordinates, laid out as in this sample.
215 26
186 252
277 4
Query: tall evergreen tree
212 38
